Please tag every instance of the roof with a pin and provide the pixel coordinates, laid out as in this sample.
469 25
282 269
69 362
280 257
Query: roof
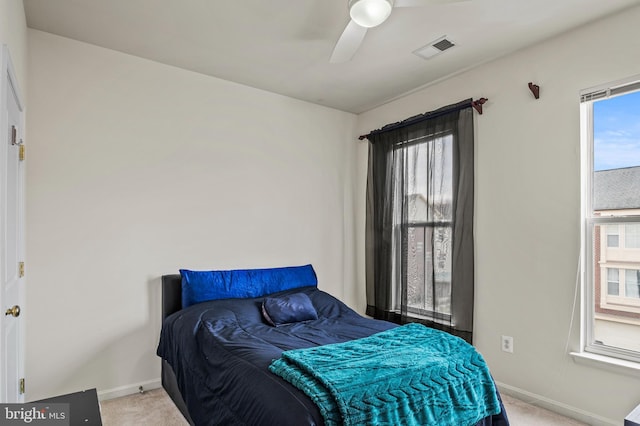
616 189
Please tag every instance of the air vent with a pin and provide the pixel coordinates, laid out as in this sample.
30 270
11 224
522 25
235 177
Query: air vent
433 48
443 44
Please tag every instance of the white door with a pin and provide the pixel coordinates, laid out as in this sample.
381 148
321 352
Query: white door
11 237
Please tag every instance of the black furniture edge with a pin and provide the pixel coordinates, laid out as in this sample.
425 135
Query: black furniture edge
84 408
171 294
172 302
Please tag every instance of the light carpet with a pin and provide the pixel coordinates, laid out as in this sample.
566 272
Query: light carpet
156 408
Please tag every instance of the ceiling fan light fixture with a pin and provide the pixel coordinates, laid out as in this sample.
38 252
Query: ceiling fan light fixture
370 13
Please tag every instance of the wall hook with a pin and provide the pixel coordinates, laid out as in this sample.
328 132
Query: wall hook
535 89
477 105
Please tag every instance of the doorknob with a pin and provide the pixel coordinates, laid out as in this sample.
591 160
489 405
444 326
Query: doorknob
15 311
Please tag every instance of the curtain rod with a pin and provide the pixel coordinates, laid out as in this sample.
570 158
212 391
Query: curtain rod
477 105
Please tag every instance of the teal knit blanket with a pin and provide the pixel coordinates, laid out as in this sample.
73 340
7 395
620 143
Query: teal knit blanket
409 375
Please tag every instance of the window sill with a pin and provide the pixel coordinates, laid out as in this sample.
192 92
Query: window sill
615 365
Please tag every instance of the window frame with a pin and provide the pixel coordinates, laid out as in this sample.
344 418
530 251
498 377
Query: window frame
589 221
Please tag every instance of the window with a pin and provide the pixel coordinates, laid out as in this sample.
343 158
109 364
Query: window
613 238
613 282
632 235
429 224
631 283
419 220
610 118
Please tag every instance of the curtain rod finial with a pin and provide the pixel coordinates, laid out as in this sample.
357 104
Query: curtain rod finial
535 89
477 105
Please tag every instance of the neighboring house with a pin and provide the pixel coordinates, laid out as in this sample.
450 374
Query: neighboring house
617 254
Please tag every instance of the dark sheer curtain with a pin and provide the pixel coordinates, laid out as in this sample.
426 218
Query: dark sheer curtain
419 229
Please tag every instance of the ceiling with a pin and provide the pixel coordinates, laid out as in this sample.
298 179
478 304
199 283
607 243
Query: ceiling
284 46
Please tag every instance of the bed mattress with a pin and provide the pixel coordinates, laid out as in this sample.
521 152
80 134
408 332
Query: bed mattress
220 352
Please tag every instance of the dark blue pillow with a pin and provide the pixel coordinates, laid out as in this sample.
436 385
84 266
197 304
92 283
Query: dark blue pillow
200 286
288 308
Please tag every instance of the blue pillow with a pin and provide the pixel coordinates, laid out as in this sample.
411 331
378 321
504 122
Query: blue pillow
200 286
288 309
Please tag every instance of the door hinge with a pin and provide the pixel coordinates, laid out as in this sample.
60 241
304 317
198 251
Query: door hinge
14 141
21 269
21 386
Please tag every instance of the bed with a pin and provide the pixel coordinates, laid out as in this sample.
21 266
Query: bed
219 356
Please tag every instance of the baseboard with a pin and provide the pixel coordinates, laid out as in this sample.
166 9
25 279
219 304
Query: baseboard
555 406
128 389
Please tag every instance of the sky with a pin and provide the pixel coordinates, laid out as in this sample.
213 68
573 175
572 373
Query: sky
616 132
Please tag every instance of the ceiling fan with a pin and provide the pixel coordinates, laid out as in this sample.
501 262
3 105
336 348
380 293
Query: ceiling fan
367 14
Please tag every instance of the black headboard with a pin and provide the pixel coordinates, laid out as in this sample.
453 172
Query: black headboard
172 302
171 294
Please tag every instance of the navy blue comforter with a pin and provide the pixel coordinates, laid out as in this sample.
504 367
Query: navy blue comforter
220 352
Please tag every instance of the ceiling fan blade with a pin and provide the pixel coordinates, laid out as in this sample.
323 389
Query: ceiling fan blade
348 43
420 3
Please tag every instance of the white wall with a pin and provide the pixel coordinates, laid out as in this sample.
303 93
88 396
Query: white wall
137 169
527 208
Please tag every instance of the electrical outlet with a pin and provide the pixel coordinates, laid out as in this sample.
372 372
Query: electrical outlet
507 344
